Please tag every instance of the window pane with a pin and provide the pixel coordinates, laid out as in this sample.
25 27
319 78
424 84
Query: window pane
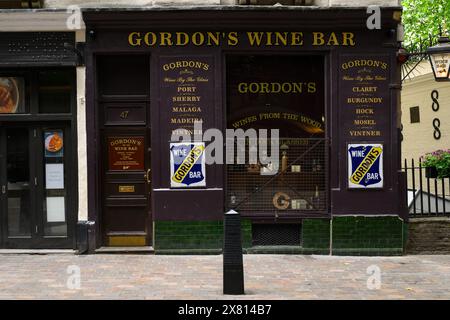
55 223
55 91
285 93
414 114
12 95
18 174
124 75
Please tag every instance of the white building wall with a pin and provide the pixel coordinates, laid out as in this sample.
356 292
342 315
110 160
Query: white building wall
82 149
418 137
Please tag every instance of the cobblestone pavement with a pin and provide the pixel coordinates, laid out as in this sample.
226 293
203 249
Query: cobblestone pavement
118 276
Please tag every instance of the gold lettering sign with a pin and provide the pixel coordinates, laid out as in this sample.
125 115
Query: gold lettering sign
124 114
187 86
364 63
126 189
281 200
306 123
232 38
277 87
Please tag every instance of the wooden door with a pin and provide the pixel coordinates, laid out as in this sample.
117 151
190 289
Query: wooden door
127 186
35 210
123 100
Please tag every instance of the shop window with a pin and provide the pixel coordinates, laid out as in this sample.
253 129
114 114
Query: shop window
124 75
55 90
13 95
18 175
37 91
414 113
284 93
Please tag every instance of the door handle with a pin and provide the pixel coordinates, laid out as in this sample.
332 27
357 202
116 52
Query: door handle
147 176
4 189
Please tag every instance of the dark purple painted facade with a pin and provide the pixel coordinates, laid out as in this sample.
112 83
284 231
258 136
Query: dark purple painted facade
108 33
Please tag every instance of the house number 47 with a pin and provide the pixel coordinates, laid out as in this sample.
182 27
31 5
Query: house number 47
124 114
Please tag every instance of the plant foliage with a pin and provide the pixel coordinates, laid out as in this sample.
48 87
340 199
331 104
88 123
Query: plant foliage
424 20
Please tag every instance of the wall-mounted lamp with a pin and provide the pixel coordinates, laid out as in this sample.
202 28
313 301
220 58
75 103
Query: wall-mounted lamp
78 49
440 59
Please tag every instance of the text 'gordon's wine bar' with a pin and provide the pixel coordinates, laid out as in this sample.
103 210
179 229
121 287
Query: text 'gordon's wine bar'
254 39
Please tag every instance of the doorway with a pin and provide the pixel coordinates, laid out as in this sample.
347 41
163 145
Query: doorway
123 84
34 180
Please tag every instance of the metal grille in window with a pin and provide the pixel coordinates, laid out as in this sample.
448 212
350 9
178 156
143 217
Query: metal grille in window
276 234
299 185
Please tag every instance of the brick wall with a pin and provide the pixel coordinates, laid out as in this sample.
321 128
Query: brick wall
352 235
201 237
428 236
316 236
358 235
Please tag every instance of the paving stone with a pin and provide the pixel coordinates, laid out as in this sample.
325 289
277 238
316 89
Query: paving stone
116 276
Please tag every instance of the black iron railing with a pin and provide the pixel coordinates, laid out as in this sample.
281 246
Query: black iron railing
427 195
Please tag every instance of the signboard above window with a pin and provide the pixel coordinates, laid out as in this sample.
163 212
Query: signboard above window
21 4
26 49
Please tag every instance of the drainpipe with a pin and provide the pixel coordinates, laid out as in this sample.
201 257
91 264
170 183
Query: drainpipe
331 236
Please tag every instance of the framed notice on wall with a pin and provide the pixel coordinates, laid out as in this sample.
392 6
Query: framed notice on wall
126 153
365 166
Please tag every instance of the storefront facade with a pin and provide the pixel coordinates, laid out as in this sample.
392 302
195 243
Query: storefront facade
38 140
319 75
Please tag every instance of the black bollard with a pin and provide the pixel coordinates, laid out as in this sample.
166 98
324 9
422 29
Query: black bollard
233 265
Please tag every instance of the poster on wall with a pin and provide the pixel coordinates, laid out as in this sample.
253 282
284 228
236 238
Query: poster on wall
54 176
365 166
54 144
12 98
187 165
56 211
126 153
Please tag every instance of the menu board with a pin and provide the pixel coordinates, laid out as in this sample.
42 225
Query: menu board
126 153
364 97
187 90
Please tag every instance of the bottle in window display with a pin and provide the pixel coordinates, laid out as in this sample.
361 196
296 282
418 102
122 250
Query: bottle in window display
318 166
233 199
316 198
284 158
